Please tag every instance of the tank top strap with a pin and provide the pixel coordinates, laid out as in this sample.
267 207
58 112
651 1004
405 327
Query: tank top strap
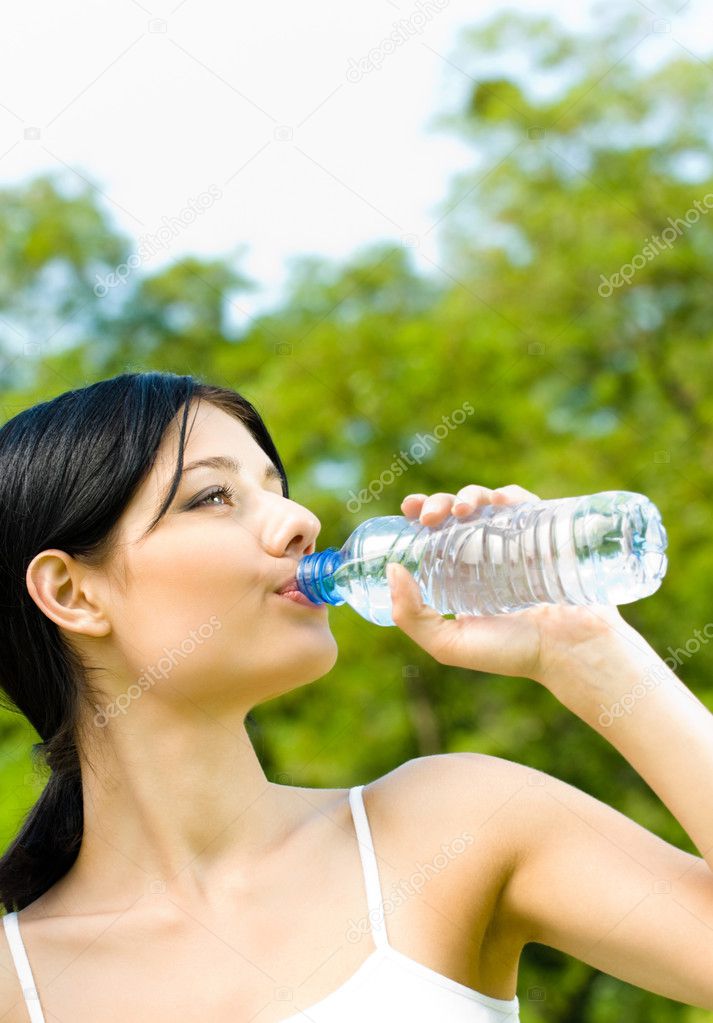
370 870
22 965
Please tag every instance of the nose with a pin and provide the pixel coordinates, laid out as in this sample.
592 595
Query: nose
291 531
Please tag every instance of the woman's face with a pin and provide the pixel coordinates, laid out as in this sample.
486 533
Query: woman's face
196 610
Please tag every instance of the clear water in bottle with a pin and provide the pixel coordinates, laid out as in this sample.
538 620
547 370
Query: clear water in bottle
605 548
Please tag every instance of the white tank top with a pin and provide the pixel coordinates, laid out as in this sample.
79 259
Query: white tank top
388 985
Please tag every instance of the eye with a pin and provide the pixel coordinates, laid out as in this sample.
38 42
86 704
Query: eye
222 491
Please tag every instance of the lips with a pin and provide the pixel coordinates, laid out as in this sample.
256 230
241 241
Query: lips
289 586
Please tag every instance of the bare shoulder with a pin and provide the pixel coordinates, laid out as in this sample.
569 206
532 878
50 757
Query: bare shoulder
12 1004
474 788
479 796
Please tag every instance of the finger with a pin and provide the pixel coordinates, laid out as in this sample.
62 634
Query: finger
431 509
436 507
513 494
411 505
414 503
422 623
474 495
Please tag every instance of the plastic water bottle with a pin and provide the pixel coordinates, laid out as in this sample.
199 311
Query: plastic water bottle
605 548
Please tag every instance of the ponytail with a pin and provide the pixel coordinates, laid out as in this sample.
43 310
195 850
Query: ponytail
47 845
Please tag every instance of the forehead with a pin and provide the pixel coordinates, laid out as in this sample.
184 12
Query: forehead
209 431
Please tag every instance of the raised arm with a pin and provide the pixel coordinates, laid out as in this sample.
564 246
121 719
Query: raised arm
588 880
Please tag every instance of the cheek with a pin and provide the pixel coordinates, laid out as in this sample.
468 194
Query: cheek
181 583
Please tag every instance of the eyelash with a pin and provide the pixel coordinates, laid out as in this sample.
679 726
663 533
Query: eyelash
224 491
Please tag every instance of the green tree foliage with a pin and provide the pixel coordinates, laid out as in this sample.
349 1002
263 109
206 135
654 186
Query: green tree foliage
584 147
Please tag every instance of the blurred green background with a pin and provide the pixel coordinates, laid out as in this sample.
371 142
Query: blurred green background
577 387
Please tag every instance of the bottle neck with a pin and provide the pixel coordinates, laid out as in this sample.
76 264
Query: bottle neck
313 572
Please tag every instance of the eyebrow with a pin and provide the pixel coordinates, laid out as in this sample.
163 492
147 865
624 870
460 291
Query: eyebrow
230 464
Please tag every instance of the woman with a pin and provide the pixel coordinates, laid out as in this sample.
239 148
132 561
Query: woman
161 876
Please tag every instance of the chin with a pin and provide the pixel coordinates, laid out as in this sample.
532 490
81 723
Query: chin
316 672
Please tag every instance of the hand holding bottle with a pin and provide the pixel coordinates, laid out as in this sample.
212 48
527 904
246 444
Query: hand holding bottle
548 642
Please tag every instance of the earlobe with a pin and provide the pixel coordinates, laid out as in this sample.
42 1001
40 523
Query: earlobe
55 583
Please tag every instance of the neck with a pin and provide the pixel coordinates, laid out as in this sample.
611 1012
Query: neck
181 808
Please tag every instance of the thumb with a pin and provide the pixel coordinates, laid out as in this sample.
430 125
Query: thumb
422 623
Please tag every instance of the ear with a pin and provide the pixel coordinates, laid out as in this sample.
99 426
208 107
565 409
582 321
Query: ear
61 588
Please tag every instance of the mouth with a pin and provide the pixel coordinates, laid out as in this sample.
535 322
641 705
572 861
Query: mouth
297 597
291 591
289 587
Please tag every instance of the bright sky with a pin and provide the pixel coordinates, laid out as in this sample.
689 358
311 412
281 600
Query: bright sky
254 117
